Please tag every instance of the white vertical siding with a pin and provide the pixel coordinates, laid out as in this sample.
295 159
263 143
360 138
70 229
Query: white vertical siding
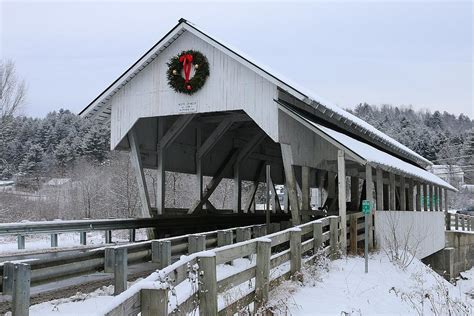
230 86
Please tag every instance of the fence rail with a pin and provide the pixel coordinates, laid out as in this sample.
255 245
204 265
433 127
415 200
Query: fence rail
285 251
459 222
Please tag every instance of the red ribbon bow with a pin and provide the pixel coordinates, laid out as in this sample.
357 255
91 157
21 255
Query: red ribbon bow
186 59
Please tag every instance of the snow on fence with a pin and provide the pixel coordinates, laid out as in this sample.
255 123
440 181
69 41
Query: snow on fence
50 270
459 222
193 278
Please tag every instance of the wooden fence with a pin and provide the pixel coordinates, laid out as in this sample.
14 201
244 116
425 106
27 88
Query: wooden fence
285 251
460 222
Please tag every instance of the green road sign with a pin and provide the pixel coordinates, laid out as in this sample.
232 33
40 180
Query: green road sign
366 207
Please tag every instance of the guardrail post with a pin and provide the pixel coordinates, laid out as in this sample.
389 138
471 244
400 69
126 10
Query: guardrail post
8 278
154 302
243 234
259 231
262 277
120 270
161 253
207 286
463 222
108 236
317 236
21 289
132 235
224 238
295 250
448 220
83 238
353 233
333 233
472 223
21 241
54 240
456 221
196 243
109 259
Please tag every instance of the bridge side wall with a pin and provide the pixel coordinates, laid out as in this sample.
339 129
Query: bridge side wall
423 232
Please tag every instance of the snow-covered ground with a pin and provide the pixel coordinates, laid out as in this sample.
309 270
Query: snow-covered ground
339 288
65 240
345 289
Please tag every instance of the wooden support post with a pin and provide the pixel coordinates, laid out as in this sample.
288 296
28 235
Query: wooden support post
21 289
418 197
317 236
109 259
161 253
379 181
132 235
448 220
262 277
353 233
259 231
295 250
403 196
196 243
426 198
54 240
446 200
108 236
224 238
198 162
154 302
369 189
341 184
83 238
237 205
21 241
437 198
354 193
120 270
207 286
441 204
411 195
136 161
333 236
431 194
305 194
456 221
267 196
160 180
291 182
253 191
392 204
243 234
8 278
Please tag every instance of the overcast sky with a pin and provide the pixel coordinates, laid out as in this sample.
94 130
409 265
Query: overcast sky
399 53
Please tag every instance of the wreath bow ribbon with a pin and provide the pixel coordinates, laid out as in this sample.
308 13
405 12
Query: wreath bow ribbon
186 59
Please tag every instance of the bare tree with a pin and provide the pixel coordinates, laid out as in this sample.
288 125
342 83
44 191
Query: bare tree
12 90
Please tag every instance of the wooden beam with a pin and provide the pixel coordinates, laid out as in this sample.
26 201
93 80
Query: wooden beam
291 182
379 178
425 197
145 210
276 202
430 188
411 194
198 160
403 197
237 194
341 184
216 134
160 170
369 189
354 194
175 130
305 191
267 196
392 201
418 196
254 187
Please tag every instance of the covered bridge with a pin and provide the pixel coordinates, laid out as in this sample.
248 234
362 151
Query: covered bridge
193 105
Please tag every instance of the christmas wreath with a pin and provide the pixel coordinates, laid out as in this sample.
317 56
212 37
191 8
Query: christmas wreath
182 63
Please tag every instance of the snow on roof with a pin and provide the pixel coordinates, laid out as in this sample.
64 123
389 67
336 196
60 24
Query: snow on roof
375 156
301 93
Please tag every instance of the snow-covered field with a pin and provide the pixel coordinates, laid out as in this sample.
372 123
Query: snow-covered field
65 240
387 289
340 288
